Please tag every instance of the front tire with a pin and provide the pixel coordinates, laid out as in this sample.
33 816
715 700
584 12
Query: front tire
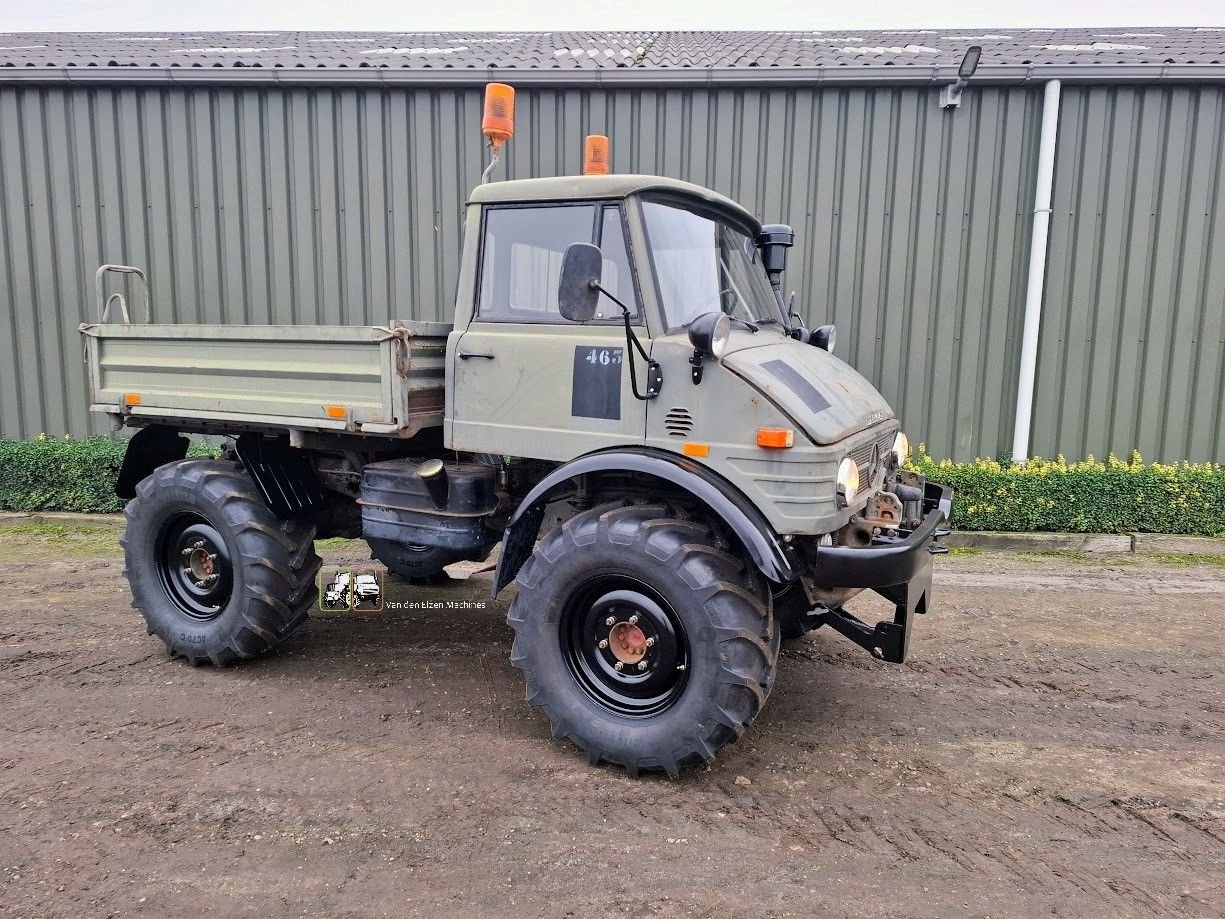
215 574
639 586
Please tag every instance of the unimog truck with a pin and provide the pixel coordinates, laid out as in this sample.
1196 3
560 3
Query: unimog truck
680 475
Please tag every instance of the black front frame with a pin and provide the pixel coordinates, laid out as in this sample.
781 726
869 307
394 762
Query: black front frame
899 568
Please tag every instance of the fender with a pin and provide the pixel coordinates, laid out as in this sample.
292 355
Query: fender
150 447
745 520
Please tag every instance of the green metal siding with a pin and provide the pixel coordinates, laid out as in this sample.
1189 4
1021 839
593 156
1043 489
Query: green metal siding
331 205
1132 352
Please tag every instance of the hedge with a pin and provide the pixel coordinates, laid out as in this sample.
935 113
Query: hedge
1083 497
47 474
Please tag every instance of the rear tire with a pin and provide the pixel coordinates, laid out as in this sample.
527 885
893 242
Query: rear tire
711 660
419 564
216 575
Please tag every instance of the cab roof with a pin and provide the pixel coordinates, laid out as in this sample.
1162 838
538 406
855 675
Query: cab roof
619 185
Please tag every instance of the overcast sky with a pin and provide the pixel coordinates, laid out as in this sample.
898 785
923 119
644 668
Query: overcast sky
509 15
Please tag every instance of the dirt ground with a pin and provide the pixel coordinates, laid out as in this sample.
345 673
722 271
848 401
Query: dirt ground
1055 746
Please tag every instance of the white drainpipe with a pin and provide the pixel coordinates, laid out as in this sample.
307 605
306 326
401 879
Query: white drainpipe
1037 274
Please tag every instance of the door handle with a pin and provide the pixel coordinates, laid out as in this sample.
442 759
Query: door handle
464 355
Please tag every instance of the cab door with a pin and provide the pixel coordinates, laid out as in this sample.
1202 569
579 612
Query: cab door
528 382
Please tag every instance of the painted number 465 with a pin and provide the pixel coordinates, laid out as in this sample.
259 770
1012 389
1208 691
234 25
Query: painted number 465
604 356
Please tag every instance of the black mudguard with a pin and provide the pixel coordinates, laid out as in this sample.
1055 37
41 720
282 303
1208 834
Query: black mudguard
150 447
727 503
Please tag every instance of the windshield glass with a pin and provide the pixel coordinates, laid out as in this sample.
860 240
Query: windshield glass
702 265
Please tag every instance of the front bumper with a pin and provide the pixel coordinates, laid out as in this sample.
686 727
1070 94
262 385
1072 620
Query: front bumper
899 568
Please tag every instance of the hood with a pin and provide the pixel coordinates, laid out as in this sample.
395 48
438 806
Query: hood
822 394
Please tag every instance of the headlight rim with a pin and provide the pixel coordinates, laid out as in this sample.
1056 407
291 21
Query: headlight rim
901 450
847 481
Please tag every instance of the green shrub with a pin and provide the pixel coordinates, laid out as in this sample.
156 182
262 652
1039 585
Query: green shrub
1054 495
1084 497
47 474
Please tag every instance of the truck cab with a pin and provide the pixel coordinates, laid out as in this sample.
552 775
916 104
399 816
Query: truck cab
526 381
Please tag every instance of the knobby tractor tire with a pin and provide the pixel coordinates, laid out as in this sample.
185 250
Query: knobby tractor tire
216 575
705 603
419 564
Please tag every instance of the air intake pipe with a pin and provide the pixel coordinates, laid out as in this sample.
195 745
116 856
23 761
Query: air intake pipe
774 240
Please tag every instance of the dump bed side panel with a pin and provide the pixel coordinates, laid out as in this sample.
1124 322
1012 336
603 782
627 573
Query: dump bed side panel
375 380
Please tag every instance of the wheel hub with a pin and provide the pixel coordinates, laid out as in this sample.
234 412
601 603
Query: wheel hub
628 643
201 564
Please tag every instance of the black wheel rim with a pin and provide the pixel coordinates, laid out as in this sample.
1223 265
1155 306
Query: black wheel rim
194 565
618 621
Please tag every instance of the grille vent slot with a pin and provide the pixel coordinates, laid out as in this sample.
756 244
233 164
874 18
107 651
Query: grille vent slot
678 422
862 456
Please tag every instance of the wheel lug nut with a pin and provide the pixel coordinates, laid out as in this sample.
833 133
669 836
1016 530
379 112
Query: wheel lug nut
650 642
603 643
610 622
642 665
618 666
633 619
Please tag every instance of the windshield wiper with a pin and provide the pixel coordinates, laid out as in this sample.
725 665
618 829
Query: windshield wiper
748 325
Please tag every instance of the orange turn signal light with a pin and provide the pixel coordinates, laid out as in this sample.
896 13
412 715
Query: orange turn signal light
775 438
499 121
335 411
596 159
131 398
693 448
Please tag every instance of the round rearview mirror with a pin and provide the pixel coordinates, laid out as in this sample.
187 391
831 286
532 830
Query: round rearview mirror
709 333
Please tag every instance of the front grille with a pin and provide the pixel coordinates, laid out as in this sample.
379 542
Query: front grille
678 422
861 456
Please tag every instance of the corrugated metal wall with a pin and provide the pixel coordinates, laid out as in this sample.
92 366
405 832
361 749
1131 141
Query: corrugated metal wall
1132 352
268 205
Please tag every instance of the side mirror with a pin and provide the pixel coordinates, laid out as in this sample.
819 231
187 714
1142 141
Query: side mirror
578 288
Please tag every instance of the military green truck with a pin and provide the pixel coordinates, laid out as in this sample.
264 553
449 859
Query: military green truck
680 474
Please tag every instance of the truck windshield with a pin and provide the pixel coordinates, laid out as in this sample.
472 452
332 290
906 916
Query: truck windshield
703 264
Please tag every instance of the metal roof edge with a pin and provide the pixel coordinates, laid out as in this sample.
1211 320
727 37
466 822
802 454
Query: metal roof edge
1004 74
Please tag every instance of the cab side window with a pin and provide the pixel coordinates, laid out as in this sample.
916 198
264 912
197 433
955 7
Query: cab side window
521 258
521 263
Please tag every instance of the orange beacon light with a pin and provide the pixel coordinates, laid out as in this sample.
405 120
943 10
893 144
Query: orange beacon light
596 161
499 121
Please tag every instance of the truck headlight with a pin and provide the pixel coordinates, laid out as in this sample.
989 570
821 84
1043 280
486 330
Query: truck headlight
848 481
709 333
901 449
